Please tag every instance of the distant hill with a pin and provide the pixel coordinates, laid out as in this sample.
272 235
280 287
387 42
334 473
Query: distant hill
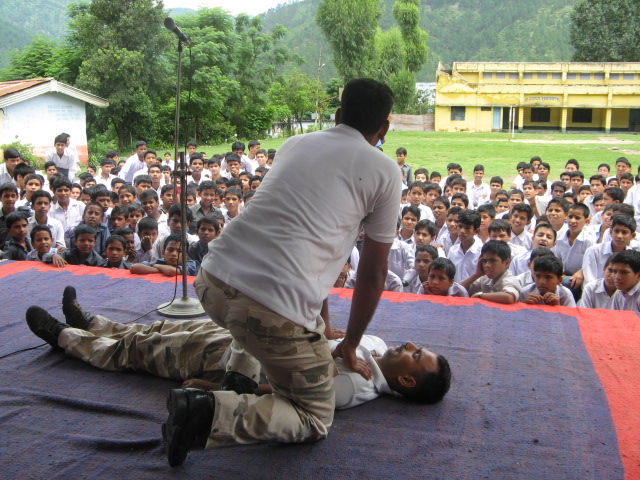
464 30
25 18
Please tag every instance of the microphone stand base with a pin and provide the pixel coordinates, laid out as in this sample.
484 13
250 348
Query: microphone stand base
182 308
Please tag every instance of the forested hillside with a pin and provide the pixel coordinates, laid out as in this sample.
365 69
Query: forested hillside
24 18
463 30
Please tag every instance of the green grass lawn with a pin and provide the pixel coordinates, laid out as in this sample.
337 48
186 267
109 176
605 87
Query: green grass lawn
498 153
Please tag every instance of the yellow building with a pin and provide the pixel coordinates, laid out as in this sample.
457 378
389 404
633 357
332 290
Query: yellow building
487 96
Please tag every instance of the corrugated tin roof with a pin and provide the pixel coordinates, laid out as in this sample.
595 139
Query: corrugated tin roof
18 91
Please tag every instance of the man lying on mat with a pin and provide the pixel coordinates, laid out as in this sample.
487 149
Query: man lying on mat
197 352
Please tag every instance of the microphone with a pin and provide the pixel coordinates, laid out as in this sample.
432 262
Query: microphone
169 24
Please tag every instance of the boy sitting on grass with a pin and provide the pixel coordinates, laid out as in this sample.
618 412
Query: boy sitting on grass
492 279
547 289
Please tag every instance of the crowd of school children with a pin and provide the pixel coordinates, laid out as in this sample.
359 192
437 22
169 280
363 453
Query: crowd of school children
542 242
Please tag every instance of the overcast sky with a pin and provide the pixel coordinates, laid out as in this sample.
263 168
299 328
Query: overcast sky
252 7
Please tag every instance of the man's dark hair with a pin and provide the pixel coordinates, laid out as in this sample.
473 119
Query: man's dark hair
617 219
39 228
428 225
430 387
116 239
415 211
469 217
500 225
365 105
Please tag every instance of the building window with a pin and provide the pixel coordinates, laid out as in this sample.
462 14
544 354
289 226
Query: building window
598 76
571 76
485 109
500 75
585 76
513 75
581 115
540 115
614 76
542 76
527 75
556 76
627 76
487 75
457 114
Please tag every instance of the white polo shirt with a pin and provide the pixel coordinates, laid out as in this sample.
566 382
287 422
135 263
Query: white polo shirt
291 258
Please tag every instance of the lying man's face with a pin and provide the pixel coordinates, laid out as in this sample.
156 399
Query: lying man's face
407 360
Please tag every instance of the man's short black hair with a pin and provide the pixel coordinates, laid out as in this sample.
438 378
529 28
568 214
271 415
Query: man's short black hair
39 228
365 105
432 386
469 217
428 225
617 219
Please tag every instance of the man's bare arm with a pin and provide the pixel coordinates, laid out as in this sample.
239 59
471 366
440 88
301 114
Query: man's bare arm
372 273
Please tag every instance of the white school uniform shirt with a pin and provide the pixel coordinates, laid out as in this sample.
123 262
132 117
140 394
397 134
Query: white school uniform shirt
401 258
5 177
525 279
594 295
627 301
501 215
506 283
572 255
519 263
443 238
595 259
465 262
100 180
70 217
69 160
478 195
425 212
353 389
393 283
455 290
522 240
131 166
57 230
563 293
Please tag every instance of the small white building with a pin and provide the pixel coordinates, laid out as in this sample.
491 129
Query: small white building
35 111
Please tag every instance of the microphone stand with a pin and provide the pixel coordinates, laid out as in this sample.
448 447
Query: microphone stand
184 307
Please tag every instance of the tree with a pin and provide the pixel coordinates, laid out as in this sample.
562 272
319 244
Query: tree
349 26
298 92
606 31
122 44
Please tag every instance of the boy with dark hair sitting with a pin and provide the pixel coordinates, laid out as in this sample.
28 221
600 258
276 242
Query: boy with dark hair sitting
8 198
623 230
18 245
492 279
526 278
171 262
130 237
424 255
599 293
115 253
43 249
520 218
83 250
547 289
440 280
148 234
208 229
41 205
625 268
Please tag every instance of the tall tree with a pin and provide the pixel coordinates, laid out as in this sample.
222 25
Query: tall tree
350 28
298 92
606 31
122 44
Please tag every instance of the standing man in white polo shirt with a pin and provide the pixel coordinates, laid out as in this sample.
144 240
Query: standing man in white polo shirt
269 294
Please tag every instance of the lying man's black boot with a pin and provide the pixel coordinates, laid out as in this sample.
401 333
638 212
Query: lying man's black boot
237 382
44 325
73 313
189 423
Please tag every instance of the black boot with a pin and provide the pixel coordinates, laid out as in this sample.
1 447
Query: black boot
189 423
44 325
237 382
75 316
